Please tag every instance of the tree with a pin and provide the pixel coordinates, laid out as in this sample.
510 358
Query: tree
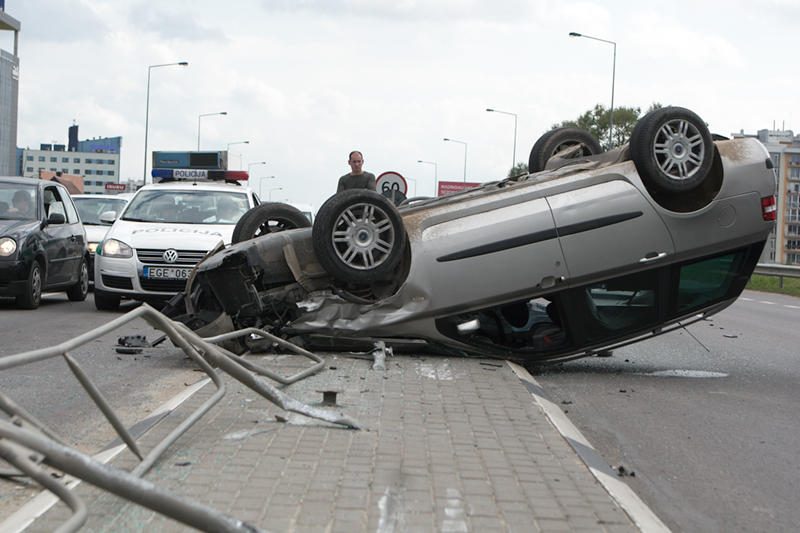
520 169
596 122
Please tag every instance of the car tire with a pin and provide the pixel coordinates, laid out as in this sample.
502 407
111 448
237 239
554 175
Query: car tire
359 237
268 218
32 296
672 150
78 292
557 140
105 301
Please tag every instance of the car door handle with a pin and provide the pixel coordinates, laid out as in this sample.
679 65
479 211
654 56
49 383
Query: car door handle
551 281
652 256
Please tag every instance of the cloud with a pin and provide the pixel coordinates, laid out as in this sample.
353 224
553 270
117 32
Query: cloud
407 9
172 25
70 21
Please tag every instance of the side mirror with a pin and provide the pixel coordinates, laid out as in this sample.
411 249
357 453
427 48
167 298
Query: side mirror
108 217
56 218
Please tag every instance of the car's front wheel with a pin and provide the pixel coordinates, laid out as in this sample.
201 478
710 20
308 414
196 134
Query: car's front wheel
32 296
672 150
105 301
78 292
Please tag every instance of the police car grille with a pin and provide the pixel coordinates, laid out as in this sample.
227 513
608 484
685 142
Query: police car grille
156 257
163 285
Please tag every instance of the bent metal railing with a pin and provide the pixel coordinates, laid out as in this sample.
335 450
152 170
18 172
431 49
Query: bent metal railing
23 436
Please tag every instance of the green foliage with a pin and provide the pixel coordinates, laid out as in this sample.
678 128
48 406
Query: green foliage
791 286
520 169
596 121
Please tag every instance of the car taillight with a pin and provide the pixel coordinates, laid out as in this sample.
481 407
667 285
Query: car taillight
769 210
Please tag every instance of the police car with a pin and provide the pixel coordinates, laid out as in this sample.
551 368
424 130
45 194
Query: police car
164 231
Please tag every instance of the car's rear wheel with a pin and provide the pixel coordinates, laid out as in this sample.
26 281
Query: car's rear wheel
567 143
268 218
78 292
32 296
359 236
672 149
105 301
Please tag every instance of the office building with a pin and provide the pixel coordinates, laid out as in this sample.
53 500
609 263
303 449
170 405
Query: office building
784 148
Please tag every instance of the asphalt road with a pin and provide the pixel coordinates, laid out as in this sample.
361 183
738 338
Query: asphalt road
707 420
133 384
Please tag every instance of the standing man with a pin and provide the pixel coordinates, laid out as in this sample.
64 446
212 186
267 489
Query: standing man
357 178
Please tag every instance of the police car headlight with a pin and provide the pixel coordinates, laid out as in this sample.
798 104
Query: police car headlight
115 248
7 246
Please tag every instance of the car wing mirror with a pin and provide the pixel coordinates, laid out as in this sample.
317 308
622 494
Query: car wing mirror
108 217
56 218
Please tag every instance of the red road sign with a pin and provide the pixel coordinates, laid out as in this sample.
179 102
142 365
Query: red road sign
449 187
115 186
391 181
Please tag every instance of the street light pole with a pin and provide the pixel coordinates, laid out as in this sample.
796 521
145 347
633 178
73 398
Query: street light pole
198 124
147 111
274 189
261 184
228 149
613 79
435 175
514 152
465 154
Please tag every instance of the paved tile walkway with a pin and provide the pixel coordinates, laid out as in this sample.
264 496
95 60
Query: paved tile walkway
447 444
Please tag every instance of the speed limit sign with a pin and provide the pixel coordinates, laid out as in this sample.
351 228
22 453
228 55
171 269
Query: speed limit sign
388 182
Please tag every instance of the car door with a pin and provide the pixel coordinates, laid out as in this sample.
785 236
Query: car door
57 237
607 229
76 243
492 253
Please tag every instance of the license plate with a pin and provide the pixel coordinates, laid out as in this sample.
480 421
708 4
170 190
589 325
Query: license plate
166 272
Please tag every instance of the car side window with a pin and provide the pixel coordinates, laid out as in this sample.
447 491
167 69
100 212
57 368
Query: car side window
614 307
55 202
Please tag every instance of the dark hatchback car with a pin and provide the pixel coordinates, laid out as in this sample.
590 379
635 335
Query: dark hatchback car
42 242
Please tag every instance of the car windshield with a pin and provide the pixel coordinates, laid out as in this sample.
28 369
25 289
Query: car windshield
17 201
90 208
187 207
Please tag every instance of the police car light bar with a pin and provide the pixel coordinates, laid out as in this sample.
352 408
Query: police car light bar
199 174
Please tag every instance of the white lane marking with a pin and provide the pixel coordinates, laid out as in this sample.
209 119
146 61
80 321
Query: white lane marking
767 302
42 502
628 500
681 373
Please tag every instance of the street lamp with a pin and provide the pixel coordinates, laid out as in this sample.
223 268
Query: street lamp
228 149
514 152
198 124
147 110
274 189
465 154
613 77
435 175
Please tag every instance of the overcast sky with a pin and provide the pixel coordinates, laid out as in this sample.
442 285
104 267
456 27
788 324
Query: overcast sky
306 81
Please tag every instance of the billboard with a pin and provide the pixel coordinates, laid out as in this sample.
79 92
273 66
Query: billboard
449 187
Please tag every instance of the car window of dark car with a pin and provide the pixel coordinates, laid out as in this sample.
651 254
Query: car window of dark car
56 201
19 200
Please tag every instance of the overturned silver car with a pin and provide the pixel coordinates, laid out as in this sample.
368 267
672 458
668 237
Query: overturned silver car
588 251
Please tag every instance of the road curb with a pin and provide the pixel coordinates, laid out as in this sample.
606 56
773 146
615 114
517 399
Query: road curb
641 515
